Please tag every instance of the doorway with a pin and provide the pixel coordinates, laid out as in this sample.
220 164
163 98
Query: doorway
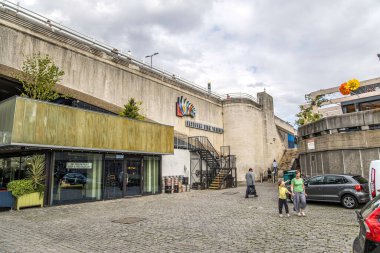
132 178
113 177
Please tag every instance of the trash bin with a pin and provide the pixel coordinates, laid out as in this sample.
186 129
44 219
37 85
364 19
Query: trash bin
289 175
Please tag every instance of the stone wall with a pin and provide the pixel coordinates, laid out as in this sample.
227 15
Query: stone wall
340 144
252 134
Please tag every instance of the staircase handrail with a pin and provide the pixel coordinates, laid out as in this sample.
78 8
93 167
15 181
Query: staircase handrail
205 144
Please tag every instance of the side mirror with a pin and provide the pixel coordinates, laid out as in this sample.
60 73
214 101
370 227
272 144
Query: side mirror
306 183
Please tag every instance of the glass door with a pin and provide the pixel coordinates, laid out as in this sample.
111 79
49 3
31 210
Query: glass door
132 179
113 178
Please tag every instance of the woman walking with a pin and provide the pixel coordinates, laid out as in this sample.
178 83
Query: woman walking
298 188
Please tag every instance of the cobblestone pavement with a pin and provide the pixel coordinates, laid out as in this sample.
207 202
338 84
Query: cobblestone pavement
197 221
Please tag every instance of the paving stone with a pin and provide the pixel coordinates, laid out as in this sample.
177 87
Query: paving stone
197 221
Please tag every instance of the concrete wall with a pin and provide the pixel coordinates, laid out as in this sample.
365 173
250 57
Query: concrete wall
177 164
348 161
340 152
250 127
252 135
100 77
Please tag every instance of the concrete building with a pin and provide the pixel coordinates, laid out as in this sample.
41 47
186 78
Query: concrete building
347 138
98 77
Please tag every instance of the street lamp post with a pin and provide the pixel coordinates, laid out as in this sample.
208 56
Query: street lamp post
151 56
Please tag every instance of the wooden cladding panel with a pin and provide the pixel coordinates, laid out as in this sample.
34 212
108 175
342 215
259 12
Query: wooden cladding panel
43 123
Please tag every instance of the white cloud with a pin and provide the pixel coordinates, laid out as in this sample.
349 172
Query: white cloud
293 47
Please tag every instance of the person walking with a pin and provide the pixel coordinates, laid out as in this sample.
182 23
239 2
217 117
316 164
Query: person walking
250 178
282 199
275 169
298 188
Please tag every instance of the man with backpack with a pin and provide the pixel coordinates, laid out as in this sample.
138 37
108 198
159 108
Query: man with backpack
250 178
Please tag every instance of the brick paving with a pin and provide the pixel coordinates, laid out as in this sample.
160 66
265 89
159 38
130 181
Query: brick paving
197 221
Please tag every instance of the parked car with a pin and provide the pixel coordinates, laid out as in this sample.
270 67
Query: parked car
350 190
368 239
374 178
75 178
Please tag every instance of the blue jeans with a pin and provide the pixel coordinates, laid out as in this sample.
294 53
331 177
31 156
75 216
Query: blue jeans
299 201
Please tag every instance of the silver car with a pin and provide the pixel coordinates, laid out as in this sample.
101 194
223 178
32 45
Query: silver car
350 190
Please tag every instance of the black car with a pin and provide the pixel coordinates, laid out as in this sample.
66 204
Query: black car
368 239
74 178
350 190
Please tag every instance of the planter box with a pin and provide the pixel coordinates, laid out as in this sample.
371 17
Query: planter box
32 199
6 199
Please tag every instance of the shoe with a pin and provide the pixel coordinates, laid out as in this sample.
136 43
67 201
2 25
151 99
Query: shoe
299 214
287 215
256 195
303 214
281 216
246 197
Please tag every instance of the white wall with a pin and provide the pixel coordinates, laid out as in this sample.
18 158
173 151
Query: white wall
174 165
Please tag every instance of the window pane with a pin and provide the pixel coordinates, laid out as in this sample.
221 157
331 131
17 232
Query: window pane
335 180
316 181
77 177
360 179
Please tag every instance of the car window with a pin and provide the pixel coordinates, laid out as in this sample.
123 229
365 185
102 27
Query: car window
335 180
360 179
315 180
370 206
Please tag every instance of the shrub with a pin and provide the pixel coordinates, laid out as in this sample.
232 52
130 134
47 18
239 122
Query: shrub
21 187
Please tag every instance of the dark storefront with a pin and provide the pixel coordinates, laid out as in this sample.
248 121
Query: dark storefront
76 177
85 159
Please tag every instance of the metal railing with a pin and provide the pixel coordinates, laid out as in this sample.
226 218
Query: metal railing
231 96
100 45
202 143
54 26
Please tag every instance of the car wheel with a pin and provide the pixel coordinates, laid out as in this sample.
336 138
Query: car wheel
349 201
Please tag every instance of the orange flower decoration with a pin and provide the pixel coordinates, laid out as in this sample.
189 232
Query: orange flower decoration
344 89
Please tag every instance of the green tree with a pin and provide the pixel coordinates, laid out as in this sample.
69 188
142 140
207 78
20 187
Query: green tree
307 114
131 110
39 77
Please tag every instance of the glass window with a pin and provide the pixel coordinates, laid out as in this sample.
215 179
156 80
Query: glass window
315 180
12 168
369 105
349 108
335 180
360 179
151 175
113 174
77 177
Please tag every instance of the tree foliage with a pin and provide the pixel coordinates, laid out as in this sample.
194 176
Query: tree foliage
39 77
306 114
132 110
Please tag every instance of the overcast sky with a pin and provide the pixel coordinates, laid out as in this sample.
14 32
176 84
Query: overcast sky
290 48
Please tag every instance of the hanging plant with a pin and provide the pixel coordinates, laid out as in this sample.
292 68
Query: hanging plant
344 89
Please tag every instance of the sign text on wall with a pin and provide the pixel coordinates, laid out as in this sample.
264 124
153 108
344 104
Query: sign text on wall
205 127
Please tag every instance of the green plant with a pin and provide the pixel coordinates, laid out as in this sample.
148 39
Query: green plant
21 187
39 77
35 182
36 171
307 114
131 110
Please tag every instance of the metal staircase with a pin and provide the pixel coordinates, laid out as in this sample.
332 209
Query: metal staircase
220 166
